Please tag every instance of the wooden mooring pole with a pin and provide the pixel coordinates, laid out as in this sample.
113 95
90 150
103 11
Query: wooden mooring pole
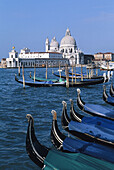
67 76
23 77
34 72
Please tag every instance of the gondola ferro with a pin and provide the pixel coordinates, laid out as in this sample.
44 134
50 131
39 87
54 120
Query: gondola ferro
94 120
93 109
47 158
87 132
108 99
67 144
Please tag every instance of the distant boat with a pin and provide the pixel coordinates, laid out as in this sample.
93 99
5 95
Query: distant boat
40 84
108 67
59 83
36 78
78 76
44 79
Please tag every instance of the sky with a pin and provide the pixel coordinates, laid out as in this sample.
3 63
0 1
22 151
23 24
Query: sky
27 23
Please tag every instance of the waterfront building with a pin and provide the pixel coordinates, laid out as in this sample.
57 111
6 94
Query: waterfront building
108 56
13 60
67 47
55 54
3 63
88 58
39 59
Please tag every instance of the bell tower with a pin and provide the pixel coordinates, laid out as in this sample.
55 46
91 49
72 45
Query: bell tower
47 45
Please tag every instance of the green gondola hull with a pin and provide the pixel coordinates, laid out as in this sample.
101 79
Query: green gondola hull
43 79
59 160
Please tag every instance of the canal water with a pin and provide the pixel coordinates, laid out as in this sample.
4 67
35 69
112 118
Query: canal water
16 102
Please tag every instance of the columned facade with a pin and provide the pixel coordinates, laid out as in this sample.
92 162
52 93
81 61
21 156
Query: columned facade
67 47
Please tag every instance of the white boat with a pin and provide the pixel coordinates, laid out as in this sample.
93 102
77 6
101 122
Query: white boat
109 66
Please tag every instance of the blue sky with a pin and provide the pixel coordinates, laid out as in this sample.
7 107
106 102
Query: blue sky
27 23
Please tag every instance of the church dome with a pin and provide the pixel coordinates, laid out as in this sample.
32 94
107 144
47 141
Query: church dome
68 39
54 43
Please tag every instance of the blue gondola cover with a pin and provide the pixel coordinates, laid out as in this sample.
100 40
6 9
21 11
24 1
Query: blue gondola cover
93 130
92 149
99 121
100 110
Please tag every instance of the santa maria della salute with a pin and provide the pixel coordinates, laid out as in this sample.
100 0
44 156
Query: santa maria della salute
64 53
67 47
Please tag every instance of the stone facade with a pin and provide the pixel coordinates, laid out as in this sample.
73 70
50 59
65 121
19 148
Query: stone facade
109 56
67 47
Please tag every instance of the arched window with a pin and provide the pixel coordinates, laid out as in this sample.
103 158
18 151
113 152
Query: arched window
71 50
66 51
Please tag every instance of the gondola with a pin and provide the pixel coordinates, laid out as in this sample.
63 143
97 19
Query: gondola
109 67
87 132
111 90
64 76
108 99
67 144
86 76
78 76
87 82
44 79
60 83
94 120
93 109
47 158
40 84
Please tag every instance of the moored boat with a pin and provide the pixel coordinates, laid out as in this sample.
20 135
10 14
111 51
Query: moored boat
78 76
108 67
111 90
67 144
108 99
87 82
47 158
87 132
44 79
40 84
94 120
94 109
59 83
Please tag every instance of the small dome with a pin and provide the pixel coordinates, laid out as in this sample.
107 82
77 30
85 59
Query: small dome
68 39
54 43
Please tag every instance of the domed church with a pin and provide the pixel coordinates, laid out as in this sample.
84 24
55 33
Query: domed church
67 47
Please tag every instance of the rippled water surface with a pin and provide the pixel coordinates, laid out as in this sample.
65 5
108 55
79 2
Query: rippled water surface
16 102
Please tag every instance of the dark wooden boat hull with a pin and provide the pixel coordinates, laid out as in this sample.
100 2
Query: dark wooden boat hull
95 110
67 144
50 84
86 132
40 84
108 99
94 120
51 159
86 82
111 90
